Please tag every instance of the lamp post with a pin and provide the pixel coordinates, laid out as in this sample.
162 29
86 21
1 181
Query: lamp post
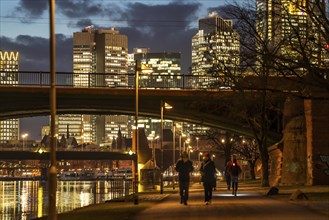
200 156
152 139
179 126
197 143
24 137
137 69
190 150
187 141
164 105
173 155
52 213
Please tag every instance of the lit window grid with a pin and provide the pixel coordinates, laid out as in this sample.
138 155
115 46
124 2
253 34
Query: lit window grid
9 62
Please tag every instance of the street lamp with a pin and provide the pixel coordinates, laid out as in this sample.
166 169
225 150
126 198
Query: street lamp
200 156
179 126
24 136
190 150
163 106
187 141
152 138
197 143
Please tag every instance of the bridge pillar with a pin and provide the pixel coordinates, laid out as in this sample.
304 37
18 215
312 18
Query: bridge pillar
294 143
317 145
305 144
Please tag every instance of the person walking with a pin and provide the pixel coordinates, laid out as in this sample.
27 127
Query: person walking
208 171
228 174
235 171
184 167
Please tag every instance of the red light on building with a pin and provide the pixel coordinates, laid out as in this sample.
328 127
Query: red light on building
326 46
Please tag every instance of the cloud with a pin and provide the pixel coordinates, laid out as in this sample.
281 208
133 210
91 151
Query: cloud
81 23
79 9
166 27
175 16
159 26
34 52
31 9
34 9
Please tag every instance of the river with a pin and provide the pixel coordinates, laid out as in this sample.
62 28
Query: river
23 200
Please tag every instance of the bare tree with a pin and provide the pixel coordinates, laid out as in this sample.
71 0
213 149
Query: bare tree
249 150
258 109
233 144
283 51
220 140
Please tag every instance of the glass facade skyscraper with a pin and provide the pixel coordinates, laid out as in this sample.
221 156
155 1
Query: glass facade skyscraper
215 46
293 29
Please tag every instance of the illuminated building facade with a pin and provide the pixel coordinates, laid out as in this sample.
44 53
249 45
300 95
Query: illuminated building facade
159 69
104 52
289 25
215 46
9 63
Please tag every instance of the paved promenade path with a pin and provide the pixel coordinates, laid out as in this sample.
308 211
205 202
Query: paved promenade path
246 205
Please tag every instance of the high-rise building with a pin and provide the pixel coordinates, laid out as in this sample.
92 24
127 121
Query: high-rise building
291 26
215 46
99 60
9 63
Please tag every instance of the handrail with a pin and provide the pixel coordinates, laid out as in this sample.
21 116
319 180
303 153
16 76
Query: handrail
110 80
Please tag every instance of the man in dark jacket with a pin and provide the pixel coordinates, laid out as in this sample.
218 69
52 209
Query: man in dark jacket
208 171
184 167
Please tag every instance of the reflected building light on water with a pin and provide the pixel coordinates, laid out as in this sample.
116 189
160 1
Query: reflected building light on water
28 199
24 201
40 202
84 199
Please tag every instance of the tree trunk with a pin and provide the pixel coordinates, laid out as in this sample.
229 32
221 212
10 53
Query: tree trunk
265 159
252 169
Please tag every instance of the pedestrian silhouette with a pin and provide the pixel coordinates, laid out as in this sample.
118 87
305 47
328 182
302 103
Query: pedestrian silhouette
208 171
228 174
235 170
184 167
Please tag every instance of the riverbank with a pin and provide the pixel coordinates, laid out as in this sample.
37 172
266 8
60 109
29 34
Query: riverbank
318 200
117 209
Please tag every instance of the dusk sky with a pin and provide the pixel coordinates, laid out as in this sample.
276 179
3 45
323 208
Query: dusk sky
157 24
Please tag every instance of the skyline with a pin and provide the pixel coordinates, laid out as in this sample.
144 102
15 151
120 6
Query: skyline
159 25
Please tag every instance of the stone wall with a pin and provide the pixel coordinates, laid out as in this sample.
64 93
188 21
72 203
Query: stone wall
305 154
294 143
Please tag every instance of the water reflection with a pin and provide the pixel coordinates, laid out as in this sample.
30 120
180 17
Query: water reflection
23 200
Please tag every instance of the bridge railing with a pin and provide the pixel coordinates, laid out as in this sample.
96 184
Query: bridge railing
8 147
99 80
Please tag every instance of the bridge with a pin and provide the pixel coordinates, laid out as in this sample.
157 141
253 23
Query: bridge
191 100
